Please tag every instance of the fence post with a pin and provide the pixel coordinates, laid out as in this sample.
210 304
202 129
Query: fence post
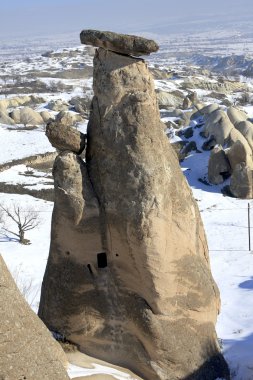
249 226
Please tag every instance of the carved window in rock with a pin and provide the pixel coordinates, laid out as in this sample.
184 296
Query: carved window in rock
102 260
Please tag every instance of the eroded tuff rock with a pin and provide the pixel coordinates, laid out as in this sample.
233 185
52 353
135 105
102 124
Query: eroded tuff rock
27 349
20 101
236 115
5 119
65 137
246 129
26 115
234 133
218 126
47 116
209 109
238 153
241 183
58 105
218 166
128 277
169 99
121 43
68 118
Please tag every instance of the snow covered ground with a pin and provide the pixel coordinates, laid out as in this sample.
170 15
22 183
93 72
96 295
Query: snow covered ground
226 225
28 177
16 144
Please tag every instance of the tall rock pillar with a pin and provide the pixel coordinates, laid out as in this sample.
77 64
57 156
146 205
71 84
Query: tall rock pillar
144 296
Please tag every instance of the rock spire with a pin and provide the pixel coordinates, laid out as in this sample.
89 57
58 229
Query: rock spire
128 277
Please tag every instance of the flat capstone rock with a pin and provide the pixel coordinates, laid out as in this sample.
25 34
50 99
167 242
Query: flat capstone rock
119 43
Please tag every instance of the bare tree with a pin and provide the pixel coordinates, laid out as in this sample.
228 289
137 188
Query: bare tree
56 86
25 220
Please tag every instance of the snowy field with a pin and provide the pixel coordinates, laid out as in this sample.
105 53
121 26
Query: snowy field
16 144
226 225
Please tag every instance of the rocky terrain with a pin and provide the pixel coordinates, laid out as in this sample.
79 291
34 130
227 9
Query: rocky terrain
56 87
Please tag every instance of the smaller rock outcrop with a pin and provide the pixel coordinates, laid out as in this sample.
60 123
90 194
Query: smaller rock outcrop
193 96
20 101
206 110
63 137
187 103
241 182
169 99
68 118
187 149
15 116
46 116
234 132
236 135
238 153
5 119
119 43
26 115
27 349
218 126
81 105
58 105
218 166
246 129
236 115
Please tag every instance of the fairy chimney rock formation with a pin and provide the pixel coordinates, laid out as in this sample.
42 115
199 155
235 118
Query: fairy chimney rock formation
128 277
27 349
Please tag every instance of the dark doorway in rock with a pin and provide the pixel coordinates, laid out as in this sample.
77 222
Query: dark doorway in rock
102 260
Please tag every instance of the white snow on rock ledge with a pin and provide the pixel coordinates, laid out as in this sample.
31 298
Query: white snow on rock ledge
75 371
82 365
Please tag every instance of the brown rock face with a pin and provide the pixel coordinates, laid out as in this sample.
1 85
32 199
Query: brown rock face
238 153
27 350
246 129
121 43
128 275
218 166
241 183
64 137
236 115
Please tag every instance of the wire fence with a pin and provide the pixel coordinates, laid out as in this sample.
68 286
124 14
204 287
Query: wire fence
230 233
228 229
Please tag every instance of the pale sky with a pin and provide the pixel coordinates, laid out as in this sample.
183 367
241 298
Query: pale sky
38 17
